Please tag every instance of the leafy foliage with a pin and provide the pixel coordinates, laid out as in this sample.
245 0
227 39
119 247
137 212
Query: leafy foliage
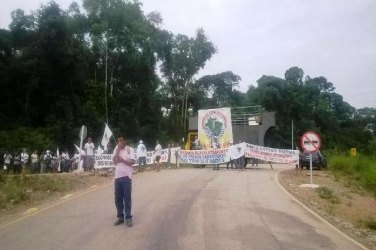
60 69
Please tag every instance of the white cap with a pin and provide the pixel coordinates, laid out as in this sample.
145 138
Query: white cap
140 142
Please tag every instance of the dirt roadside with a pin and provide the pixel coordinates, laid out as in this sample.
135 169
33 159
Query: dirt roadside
348 207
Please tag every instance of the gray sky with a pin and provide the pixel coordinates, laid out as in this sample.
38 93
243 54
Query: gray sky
331 38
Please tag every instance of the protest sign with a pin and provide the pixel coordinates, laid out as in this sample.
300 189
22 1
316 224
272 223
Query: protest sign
211 156
215 128
103 161
271 154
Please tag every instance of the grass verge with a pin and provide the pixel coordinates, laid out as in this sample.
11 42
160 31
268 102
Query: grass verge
358 169
21 189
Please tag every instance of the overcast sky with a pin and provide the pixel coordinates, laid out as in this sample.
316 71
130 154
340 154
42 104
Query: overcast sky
331 38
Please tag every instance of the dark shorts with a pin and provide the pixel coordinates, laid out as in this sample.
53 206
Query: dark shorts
157 158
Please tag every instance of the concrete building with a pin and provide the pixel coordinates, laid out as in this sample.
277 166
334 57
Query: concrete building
249 124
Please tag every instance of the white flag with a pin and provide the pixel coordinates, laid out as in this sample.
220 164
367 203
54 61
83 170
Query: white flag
106 136
82 152
58 158
100 150
81 162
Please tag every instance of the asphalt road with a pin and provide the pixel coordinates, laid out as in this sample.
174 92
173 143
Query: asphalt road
181 209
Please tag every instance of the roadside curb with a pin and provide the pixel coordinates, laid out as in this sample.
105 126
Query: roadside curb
276 176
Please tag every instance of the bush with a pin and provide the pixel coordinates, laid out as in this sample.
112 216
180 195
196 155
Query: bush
19 188
361 167
369 223
328 194
325 192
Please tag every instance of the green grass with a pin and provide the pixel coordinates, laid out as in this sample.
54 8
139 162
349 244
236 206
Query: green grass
22 188
328 194
369 223
359 169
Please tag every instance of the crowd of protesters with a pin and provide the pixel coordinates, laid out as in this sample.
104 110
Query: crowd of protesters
18 162
46 161
43 162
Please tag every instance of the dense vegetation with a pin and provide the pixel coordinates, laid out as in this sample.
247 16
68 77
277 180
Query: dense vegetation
359 169
109 61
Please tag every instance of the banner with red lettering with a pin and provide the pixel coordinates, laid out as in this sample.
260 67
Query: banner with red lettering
271 154
211 156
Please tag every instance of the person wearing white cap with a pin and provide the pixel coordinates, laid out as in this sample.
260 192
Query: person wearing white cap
141 155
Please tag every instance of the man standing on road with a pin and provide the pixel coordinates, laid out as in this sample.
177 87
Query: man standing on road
215 145
34 162
24 160
123 159
157 155
231 162
141 155
48 161
7 162
89 159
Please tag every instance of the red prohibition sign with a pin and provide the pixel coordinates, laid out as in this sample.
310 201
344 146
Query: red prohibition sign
310 141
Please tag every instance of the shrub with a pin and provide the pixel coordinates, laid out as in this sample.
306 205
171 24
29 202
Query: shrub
369 223
325 192
19 188
361 168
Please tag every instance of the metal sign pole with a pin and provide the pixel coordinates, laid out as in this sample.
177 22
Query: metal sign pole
311 143
310 165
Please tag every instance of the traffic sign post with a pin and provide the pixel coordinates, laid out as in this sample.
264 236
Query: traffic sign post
311 143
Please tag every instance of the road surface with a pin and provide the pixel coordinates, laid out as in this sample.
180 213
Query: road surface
181 209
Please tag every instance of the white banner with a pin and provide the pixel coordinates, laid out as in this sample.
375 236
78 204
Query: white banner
235 151
217 156
271 154
103 161
210 156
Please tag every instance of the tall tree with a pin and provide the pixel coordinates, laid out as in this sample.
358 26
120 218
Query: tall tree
219 87
183 59
127 46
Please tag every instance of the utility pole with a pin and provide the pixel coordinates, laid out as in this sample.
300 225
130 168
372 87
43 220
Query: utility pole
105 82
292 134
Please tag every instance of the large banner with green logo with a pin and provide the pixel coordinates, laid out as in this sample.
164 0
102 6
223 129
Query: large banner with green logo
215 128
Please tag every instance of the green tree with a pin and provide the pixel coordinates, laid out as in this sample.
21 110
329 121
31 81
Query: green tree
184 57
219 88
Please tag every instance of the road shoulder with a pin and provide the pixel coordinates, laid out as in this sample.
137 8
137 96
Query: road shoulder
342 212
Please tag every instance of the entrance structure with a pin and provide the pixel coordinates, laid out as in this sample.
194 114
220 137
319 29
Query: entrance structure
249 124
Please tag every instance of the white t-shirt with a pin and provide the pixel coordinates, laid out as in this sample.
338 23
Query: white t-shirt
89 147
8 158
65 156
34 158
24 157
141 150
158 150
